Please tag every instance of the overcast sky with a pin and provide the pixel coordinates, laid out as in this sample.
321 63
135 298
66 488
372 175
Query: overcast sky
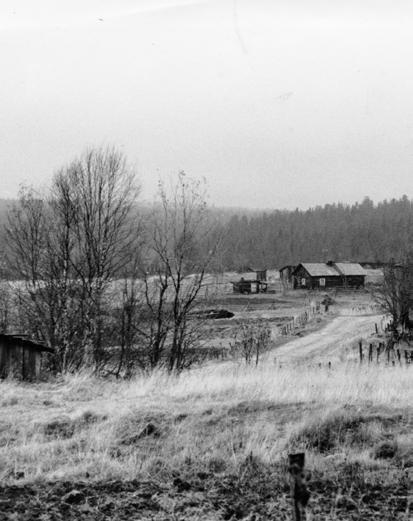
278 104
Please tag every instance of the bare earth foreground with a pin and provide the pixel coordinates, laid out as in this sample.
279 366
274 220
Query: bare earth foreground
212 444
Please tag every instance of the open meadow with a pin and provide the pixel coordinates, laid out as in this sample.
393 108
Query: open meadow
212 443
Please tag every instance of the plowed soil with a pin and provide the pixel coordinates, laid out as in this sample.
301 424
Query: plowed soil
257 493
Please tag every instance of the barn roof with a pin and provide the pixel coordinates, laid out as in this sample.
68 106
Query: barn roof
320 269
21 341
349 269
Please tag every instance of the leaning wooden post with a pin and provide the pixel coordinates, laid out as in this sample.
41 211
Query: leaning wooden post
377 329
299 493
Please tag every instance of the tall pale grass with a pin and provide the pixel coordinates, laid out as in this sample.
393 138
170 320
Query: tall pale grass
352 383
202 396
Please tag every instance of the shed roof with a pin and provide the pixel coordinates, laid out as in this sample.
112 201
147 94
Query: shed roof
21 341
287 266
319 269
349 269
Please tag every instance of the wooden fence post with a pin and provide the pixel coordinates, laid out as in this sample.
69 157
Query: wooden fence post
378 352
299 492
361 350
370 353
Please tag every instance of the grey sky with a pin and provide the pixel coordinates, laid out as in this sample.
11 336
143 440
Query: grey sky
277 103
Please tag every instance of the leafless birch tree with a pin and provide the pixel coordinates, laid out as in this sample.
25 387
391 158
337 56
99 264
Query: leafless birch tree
68 246
175 274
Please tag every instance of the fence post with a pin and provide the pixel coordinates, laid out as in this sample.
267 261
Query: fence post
361 350
377 329
378 352
370 353
299 492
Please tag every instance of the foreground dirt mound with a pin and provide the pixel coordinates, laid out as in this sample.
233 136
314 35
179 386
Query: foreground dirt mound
257 493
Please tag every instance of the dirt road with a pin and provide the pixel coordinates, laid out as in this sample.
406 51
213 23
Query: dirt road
333 342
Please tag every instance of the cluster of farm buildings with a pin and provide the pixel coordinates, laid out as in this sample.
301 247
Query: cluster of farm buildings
306 275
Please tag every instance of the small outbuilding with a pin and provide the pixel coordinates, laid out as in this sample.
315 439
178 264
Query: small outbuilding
21 357
254 274
251 280
249 286
286 275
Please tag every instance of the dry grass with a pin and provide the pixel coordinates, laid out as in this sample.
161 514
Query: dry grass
214 417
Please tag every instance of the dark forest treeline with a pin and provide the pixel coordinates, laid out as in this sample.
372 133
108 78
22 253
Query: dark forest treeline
360 232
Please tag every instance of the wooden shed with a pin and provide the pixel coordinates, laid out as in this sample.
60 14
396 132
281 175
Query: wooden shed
21 357
249 286
286 275
254 274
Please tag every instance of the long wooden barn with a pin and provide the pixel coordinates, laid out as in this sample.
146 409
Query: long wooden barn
319 275
20 357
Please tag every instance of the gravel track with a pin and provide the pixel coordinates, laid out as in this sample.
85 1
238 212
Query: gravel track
329 343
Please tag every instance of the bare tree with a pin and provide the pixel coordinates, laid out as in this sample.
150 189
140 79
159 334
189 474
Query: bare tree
175 274
250 341
95 197
67 247
32 260
396 293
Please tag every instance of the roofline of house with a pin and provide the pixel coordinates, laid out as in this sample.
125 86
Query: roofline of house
333 265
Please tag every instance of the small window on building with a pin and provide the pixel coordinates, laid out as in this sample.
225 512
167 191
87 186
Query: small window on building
302 282
322 282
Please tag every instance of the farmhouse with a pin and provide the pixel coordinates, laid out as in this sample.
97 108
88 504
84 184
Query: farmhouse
318 275
20 357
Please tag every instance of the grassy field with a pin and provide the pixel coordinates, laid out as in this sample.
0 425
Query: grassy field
211 444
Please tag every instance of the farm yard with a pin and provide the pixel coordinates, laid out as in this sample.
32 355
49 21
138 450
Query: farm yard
212 443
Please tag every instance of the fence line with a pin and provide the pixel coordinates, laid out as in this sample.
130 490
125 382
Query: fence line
392 351
300 320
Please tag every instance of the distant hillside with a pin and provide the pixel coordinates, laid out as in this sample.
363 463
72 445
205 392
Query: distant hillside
360 232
